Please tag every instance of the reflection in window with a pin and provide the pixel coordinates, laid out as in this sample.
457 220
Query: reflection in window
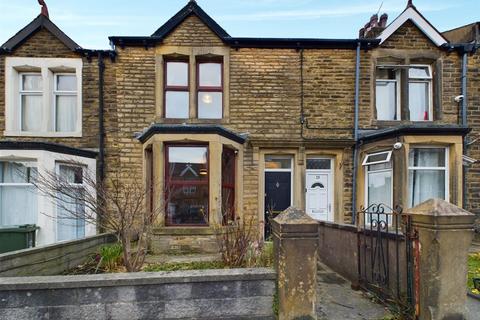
319 164
210 90
186 185
228 185
18 199
276 162
427 174
176 90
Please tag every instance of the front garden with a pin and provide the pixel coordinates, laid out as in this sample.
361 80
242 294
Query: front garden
474 272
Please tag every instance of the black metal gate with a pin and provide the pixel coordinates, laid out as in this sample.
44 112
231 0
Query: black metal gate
386 256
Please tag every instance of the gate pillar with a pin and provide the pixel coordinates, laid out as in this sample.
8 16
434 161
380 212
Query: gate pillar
295 236
445 233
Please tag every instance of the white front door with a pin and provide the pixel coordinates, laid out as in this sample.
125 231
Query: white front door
319 194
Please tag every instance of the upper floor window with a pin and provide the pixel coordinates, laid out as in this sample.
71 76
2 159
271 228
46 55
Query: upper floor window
210 90
193 86
43 97
176 89
404 100
65 93
31 101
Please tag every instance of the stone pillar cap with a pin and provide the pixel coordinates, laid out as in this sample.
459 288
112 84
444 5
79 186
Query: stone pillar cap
441 213
293 215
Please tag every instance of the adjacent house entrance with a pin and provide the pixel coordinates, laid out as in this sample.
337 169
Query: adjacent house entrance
319 188
278 187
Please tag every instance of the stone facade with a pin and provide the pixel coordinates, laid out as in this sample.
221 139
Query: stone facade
288 101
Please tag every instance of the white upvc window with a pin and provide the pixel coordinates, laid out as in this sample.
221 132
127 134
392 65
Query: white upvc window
65 101
71 210
427 174
378 184
387 94
43 97
420 96
18 198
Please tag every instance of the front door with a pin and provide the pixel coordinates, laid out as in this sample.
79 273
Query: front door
319 193
278 188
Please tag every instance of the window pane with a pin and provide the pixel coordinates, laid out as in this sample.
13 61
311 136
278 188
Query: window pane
272 162
210 105
71 174
319 164
18 205
67 82
66 113
386 100
188 163
418 101
177 74
427 157
71 217
17 172
380 166
188 204
210 74
176 104
32 113
32 82
228 186
419 72
380 188
425 184
386 73
383 156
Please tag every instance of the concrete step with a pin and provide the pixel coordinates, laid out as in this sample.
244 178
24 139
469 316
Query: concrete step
475 247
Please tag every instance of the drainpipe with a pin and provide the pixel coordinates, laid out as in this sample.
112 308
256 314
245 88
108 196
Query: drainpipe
355 135
465 124
101 124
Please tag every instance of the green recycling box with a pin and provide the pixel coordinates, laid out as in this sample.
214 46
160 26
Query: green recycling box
17 237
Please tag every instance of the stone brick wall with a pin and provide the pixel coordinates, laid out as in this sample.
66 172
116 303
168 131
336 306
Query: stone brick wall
192 32
198 294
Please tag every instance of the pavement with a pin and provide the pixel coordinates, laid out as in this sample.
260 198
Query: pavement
337 301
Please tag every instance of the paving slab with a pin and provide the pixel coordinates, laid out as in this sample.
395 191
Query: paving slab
337 301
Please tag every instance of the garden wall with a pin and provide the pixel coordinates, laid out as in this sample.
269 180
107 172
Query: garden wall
198 294
51 259
338 249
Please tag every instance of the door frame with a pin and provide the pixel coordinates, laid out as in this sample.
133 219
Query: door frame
331 182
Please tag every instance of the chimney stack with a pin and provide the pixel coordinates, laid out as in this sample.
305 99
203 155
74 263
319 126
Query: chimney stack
374 27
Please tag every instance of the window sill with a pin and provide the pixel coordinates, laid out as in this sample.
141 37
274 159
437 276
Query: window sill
192 121
43 134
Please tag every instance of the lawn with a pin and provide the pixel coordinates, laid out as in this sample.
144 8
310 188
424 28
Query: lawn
473 270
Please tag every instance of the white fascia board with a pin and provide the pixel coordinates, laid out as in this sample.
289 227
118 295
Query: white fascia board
412 15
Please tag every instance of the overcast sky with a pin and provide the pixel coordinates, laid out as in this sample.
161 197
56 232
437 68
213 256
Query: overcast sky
90 22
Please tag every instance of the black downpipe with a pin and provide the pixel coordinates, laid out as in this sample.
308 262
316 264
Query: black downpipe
355 135
101 124
465 124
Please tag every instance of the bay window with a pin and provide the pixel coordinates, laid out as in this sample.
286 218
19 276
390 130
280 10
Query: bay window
427 174
65 99
176 89
210 90
186 185
18 199
71 205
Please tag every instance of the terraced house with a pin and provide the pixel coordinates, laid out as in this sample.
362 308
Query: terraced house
241 127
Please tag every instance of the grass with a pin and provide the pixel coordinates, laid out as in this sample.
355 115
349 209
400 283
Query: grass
473 270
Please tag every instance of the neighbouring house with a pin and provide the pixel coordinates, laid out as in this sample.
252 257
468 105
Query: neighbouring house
222 127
